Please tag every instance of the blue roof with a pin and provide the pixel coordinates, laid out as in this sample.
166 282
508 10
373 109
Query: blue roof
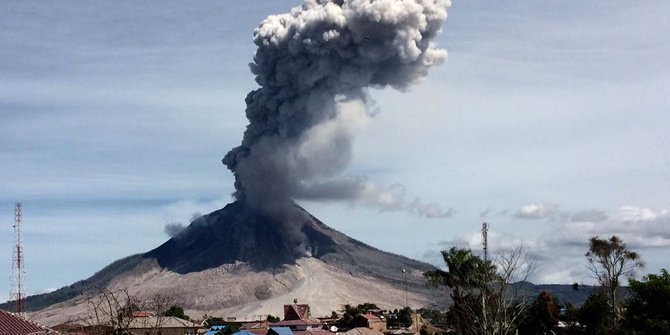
282 330
215 329
243 332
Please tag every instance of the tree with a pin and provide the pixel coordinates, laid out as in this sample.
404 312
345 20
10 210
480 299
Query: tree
609 260
595 314
648 308
541 317
499 305
485 298
112 311
434 316
462 267
405 317
351 315
177 312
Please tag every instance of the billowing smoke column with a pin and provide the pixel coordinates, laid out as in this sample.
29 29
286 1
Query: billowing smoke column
314 65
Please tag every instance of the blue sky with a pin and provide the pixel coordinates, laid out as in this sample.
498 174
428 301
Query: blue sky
549 120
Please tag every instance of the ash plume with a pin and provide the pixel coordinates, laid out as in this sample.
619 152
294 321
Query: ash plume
314 66
173 229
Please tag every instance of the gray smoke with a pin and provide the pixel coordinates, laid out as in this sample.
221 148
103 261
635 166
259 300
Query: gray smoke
173 229
314 66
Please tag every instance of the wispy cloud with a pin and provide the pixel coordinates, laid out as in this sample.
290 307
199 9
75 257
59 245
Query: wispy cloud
560 250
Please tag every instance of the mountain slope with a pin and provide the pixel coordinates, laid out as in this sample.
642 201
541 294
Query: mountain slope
235 262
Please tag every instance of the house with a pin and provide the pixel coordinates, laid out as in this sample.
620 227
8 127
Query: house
297 318
363 331
12 324
72 328
373 322
280 331
254 325
167 325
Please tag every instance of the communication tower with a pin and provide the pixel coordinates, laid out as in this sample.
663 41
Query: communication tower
485 239
17 293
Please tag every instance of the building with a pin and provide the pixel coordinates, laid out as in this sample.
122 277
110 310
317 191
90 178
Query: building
167 325
297 318
12 324
363 331
374 322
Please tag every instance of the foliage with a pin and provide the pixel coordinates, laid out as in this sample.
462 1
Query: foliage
215 321
177 312
272 318
351 315
541 317
462 268
648 308
609 260
485 300
399 318
434 316
116 309
595 314
405 317
231 328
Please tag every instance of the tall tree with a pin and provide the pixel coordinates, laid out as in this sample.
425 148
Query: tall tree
595 314
541 317
462 268
498 302
609 260
485 298
648 308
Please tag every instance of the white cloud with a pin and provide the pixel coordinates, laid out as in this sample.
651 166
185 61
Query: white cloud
560 249
537 211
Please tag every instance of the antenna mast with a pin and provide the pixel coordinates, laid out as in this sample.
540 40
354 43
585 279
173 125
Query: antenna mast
485 238
17 294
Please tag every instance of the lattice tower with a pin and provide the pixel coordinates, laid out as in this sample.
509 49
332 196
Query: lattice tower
17 293
485 240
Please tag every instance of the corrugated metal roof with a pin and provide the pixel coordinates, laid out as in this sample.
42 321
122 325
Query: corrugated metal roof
371 317
243 332
296 311
214 329
363 331
280 331
11 324
162 322
313 332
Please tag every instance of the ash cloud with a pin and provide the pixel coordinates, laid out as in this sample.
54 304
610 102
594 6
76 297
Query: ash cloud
314 66
173 229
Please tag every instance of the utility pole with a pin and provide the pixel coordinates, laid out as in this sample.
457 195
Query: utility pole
404 272
18 285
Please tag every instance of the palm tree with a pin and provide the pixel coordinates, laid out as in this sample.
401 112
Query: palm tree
461 275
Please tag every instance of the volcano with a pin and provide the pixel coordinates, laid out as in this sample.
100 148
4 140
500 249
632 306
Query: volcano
236 262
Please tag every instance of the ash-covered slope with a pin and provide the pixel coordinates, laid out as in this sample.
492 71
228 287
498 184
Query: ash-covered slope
253 252
238 234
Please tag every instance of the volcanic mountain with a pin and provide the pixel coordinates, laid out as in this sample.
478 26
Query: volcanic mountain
234 262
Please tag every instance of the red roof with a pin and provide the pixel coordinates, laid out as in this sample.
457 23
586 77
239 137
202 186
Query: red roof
142 314
312 332
11 324
255 325
287 323
296 312
371 317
